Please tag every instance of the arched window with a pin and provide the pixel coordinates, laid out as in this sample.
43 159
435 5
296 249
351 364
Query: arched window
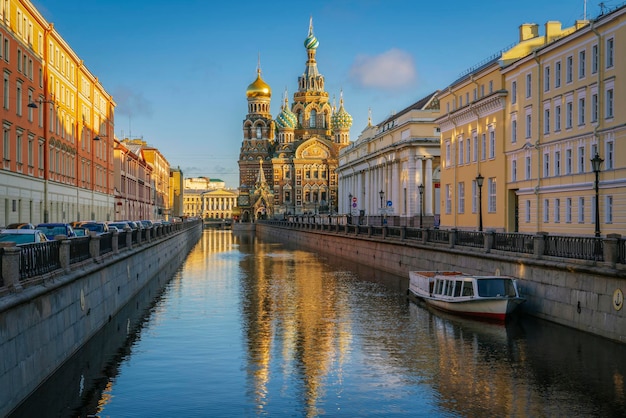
259 133
313 120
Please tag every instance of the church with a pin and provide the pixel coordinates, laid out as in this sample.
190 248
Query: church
287 164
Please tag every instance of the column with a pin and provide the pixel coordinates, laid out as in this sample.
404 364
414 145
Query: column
411 187
398 196
428 189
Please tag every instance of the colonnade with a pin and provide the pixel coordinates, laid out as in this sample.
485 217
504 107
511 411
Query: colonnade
399 182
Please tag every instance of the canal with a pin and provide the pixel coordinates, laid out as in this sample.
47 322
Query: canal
252 328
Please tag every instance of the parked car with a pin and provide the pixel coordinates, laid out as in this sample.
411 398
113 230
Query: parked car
80 232
20 225
56 228
120 225
22 236
147 224
93 226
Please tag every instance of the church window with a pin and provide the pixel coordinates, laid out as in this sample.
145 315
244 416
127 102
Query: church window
315 174
307 174
300 118
287 196
259 134
307 196
313 120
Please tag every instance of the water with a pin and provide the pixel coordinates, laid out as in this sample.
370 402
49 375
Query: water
250 328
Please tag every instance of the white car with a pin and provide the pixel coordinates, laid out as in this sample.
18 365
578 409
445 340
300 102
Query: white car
22 236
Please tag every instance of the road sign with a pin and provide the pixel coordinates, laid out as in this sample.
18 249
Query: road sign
389 204
354 204
354 200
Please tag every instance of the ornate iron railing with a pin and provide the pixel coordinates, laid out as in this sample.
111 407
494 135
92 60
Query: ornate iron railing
514 242
79 249
39 258
439 235
582 248
470 239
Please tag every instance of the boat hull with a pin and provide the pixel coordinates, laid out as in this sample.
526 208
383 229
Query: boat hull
424 285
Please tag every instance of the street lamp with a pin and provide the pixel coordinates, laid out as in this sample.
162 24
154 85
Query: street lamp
382 210
479 180
421 189
46 175
596 162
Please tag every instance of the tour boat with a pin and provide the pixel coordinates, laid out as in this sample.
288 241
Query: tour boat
489 297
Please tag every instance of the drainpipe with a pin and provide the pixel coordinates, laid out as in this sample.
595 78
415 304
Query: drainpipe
600 90
538 141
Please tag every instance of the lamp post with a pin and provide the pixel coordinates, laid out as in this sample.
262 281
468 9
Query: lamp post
596 162
421 189
34 105
382 209
479 181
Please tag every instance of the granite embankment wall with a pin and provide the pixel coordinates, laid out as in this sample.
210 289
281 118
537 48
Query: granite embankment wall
42 326
580 294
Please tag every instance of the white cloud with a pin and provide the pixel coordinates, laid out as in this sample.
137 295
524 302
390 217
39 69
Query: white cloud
392 69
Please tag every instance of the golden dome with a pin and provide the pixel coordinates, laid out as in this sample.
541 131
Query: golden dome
259 88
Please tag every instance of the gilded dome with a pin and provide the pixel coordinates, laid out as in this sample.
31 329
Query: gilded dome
341 119
286 118
259 88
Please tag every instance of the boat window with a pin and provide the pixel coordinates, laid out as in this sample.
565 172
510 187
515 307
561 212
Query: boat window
439 287
457 288
468 290
496 287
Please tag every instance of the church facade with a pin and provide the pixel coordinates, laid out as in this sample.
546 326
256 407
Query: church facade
287 164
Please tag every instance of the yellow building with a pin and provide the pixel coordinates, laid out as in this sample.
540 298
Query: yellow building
563 111
520 130
176 192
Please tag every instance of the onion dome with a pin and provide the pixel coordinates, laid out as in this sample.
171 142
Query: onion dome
311 41
341 119
286 118
259 88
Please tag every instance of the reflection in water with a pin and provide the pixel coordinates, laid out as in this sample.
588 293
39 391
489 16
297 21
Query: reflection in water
249 328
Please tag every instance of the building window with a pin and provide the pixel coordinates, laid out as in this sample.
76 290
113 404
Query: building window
514 170
594 59
483 151
557 74
546 79
557 211
460 142
581 111
557 163
609 103
259 133
609 155
514 131
546 165
475 156
492 143
529 87
581 159
468 150
569 64
528 168
546 121
492 195
529 125
593 210
447 154
313 119
568 161
448 199
461 197
527 214
546 210
514 92
608 209
582 63
557 118
568 210
569 109
609 53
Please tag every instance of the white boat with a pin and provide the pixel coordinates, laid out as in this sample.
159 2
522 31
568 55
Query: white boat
489 297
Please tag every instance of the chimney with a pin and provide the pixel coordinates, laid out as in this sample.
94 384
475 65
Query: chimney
528 31
553 30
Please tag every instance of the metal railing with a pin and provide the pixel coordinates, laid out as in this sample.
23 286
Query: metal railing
79 249
514 242
537 245
581 248
39 258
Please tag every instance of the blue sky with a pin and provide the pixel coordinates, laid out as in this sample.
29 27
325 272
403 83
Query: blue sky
179 70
